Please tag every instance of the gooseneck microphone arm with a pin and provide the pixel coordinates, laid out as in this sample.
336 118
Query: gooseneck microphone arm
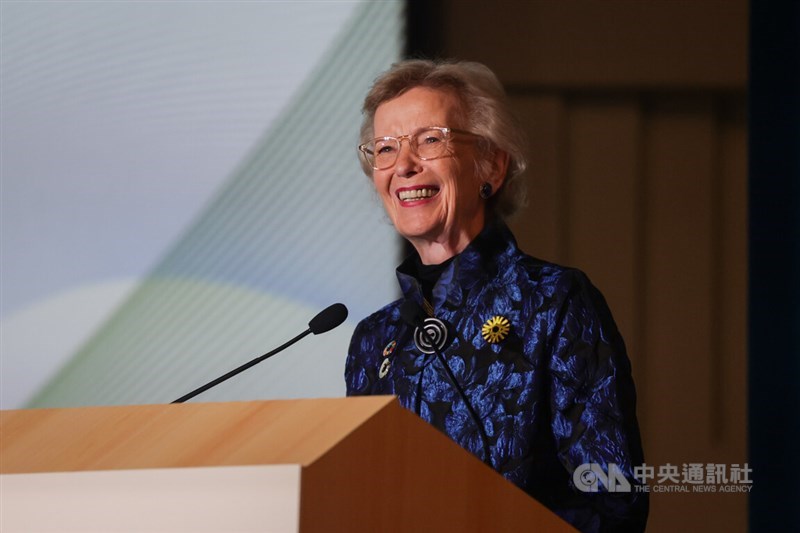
326 320
240 369
413 315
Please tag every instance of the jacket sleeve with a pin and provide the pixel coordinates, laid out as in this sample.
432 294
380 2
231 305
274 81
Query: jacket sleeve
356 378
593 411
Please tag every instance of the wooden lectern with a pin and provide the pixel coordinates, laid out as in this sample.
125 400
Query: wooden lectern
345 464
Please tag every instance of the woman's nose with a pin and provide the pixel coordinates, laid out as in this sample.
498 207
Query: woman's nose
407 163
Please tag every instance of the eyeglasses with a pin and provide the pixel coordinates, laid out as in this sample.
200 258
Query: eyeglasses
426 143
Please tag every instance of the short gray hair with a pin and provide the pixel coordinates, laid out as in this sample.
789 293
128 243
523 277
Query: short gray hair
488 114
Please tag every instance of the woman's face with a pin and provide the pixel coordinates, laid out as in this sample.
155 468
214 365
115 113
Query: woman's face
448 211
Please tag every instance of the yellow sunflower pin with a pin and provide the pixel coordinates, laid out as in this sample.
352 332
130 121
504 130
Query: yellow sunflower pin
495 329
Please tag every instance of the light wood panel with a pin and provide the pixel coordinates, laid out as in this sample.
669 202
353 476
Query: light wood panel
391 482
196 434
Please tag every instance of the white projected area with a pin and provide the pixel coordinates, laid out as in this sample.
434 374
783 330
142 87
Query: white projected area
136 139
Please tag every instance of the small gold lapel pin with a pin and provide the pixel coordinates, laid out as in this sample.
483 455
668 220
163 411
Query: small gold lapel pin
495 329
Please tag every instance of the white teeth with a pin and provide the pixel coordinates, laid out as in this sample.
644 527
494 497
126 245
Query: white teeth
416 194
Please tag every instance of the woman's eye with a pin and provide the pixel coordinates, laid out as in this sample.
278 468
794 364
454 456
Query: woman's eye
384 149
431 139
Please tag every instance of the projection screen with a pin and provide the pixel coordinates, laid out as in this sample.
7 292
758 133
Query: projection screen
181 193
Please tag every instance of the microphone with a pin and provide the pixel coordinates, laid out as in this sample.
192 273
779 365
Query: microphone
413 315
327 319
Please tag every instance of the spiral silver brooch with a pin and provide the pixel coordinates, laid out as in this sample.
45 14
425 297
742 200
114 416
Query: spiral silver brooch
436 337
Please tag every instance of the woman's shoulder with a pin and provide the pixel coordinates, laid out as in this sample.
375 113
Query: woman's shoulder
542 273
568 291
388 314
553 287
512 261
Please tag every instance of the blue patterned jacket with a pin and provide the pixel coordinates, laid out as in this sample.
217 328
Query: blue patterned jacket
554 394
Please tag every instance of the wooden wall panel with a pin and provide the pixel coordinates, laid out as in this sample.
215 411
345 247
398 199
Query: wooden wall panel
732 296
540 228
729 433
679 281
679 159
636 118
650 201
602 43
602 182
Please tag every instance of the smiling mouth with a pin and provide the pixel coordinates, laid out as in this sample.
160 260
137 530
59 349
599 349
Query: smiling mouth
412 195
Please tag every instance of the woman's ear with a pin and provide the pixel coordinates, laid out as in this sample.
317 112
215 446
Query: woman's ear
500 162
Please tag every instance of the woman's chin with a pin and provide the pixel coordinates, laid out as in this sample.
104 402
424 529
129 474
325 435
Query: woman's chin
418 230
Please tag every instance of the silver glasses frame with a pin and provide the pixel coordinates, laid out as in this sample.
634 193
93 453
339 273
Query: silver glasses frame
369 156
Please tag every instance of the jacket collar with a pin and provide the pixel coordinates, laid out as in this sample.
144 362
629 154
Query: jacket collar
488 253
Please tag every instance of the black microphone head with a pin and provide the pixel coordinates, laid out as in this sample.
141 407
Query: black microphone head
411 313
328 318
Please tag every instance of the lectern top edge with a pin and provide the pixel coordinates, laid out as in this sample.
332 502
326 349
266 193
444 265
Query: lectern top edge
179 435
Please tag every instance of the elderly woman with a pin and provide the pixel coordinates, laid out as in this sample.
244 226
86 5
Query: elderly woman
519 360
